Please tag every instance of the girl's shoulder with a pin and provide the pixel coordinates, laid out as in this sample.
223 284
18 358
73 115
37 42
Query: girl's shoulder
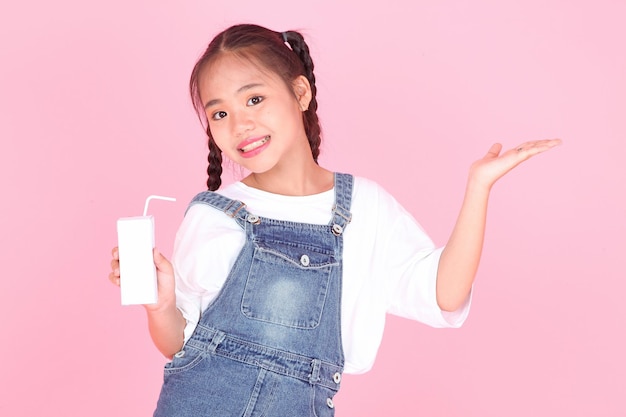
367 190
366 186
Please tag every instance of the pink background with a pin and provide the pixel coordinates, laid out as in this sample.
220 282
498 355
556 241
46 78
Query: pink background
94 116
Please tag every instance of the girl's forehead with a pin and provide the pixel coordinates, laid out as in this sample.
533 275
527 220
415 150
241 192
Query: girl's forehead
229 71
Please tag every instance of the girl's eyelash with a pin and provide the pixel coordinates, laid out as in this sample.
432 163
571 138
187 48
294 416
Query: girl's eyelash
218 115
257 100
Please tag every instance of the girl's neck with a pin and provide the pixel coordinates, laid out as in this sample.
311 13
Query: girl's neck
311 180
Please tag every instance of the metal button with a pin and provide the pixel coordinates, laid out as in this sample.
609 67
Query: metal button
180 354
254 219
337 377
337 229
304 260
329 403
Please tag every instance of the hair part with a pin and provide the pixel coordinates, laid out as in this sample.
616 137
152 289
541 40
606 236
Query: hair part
286 54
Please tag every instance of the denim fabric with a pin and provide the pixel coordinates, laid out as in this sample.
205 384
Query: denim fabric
270 343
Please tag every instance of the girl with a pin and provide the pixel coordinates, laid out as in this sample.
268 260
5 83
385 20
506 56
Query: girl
281 282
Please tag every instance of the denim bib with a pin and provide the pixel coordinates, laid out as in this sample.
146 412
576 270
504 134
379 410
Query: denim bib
269 344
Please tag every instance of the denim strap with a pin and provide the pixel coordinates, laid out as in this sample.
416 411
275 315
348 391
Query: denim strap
343 201
233 208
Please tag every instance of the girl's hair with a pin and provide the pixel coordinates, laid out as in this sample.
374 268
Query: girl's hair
284 53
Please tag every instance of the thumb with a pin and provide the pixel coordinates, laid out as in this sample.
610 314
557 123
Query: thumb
162 263
494 151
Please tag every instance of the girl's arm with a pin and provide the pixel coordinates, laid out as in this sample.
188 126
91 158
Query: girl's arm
461 256
165 322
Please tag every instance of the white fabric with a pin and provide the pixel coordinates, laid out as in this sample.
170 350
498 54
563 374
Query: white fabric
390 264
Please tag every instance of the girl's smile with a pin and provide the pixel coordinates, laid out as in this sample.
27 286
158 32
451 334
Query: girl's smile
253 146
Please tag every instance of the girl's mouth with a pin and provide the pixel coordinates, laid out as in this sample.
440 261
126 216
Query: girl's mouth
253 145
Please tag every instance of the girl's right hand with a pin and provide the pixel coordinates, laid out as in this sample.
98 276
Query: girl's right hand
165 279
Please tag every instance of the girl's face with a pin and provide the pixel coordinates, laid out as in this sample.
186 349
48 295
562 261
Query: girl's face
254 118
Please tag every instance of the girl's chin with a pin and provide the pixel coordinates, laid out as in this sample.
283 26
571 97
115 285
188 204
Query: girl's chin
255 167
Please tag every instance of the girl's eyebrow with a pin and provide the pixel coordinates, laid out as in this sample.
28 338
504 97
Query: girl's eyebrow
239 91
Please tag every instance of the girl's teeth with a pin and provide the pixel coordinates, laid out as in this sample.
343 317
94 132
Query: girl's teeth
254 145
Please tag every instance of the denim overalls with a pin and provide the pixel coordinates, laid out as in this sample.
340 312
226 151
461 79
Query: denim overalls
270 343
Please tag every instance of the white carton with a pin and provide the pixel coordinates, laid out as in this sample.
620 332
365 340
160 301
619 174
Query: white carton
138 280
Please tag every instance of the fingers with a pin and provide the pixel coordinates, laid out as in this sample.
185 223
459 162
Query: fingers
115 278
115 265
114 275
537 146
162 263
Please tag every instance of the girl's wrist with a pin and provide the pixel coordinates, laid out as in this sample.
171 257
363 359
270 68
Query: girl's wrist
478 185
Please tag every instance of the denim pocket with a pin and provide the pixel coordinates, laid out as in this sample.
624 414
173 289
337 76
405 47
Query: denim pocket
184 360
287 285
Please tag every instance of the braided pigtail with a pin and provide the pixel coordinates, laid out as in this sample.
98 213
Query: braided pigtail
311 121
215 165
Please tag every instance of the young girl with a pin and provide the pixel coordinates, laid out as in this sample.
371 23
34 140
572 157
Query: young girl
281 282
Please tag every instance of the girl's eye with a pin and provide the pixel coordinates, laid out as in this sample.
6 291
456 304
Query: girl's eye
255 100
219 115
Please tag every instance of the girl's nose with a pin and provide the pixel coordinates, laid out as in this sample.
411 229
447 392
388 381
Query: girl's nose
242 123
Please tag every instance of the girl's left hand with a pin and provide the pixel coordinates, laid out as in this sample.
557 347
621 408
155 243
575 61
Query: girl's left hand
493 166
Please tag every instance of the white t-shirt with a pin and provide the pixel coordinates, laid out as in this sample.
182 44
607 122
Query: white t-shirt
389 263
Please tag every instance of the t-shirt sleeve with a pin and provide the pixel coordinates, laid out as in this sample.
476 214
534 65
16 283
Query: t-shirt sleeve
411 261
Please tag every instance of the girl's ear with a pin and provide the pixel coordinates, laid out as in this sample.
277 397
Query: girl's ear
302 91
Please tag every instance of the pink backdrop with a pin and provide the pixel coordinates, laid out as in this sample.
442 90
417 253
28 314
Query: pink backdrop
94 116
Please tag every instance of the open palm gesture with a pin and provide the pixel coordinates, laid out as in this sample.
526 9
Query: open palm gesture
494 164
